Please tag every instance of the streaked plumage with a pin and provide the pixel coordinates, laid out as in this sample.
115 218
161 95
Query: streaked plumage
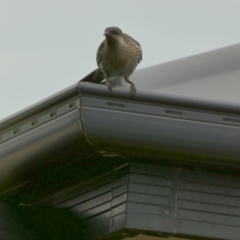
117 56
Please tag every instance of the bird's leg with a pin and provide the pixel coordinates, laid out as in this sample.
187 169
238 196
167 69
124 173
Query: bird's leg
133 89
115 81
109 84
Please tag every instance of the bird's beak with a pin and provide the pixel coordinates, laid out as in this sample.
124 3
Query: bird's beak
106 33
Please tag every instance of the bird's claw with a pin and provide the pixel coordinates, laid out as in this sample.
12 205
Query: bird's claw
133 90
110 85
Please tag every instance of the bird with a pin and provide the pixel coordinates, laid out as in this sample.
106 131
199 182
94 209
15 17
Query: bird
117 56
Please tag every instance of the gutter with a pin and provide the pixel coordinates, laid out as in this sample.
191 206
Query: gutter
152 124
37 131
159 126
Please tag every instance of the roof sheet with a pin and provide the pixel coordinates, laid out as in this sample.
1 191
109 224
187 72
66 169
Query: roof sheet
212 75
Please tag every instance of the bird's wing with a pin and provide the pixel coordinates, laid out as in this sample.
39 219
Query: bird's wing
140 51
99 53
136 44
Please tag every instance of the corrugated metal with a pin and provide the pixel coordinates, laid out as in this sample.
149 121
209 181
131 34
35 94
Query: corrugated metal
101 208
188 202
208 205
156 200
151 195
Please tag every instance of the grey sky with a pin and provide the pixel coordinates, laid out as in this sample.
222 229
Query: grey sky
48 45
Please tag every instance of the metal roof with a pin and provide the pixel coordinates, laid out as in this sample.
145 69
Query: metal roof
212 75
187 110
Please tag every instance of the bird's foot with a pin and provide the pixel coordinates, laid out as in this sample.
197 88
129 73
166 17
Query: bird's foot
133 90
110 85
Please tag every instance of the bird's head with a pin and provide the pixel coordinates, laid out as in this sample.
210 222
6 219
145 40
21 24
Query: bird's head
113 34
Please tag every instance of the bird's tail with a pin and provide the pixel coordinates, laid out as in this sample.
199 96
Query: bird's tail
95 76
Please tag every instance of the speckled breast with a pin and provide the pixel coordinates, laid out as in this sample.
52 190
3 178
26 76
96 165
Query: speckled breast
115 65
